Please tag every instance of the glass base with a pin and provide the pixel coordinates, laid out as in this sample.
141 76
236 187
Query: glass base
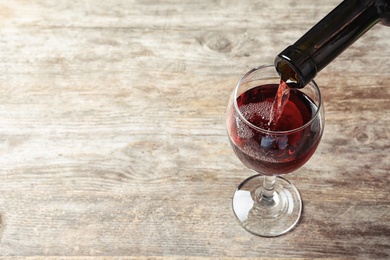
267 216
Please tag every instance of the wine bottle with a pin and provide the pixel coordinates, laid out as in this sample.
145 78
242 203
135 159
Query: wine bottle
299 63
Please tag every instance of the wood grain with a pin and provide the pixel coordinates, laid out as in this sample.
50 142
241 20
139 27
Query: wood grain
113 139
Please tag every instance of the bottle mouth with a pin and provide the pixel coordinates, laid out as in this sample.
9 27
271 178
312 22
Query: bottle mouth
288 72
385 21
296 66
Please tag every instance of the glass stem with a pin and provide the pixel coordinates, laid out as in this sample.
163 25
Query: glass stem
267 193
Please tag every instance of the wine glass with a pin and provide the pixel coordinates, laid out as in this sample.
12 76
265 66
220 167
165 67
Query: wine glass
267 204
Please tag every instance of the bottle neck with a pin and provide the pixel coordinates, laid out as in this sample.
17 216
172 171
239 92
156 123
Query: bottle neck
300 62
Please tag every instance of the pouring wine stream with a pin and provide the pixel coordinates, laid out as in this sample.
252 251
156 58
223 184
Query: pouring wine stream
279 103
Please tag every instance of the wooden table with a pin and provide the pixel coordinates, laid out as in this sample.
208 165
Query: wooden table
113 141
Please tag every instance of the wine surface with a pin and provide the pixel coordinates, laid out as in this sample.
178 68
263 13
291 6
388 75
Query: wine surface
274 153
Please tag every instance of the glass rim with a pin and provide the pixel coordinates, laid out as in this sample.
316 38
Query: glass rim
263 130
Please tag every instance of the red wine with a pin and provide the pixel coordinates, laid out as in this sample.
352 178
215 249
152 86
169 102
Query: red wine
266 152
281 100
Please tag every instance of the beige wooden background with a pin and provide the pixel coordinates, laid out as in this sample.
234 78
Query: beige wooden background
113 142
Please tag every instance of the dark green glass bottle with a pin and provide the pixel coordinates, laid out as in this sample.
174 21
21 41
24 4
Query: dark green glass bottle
299 63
